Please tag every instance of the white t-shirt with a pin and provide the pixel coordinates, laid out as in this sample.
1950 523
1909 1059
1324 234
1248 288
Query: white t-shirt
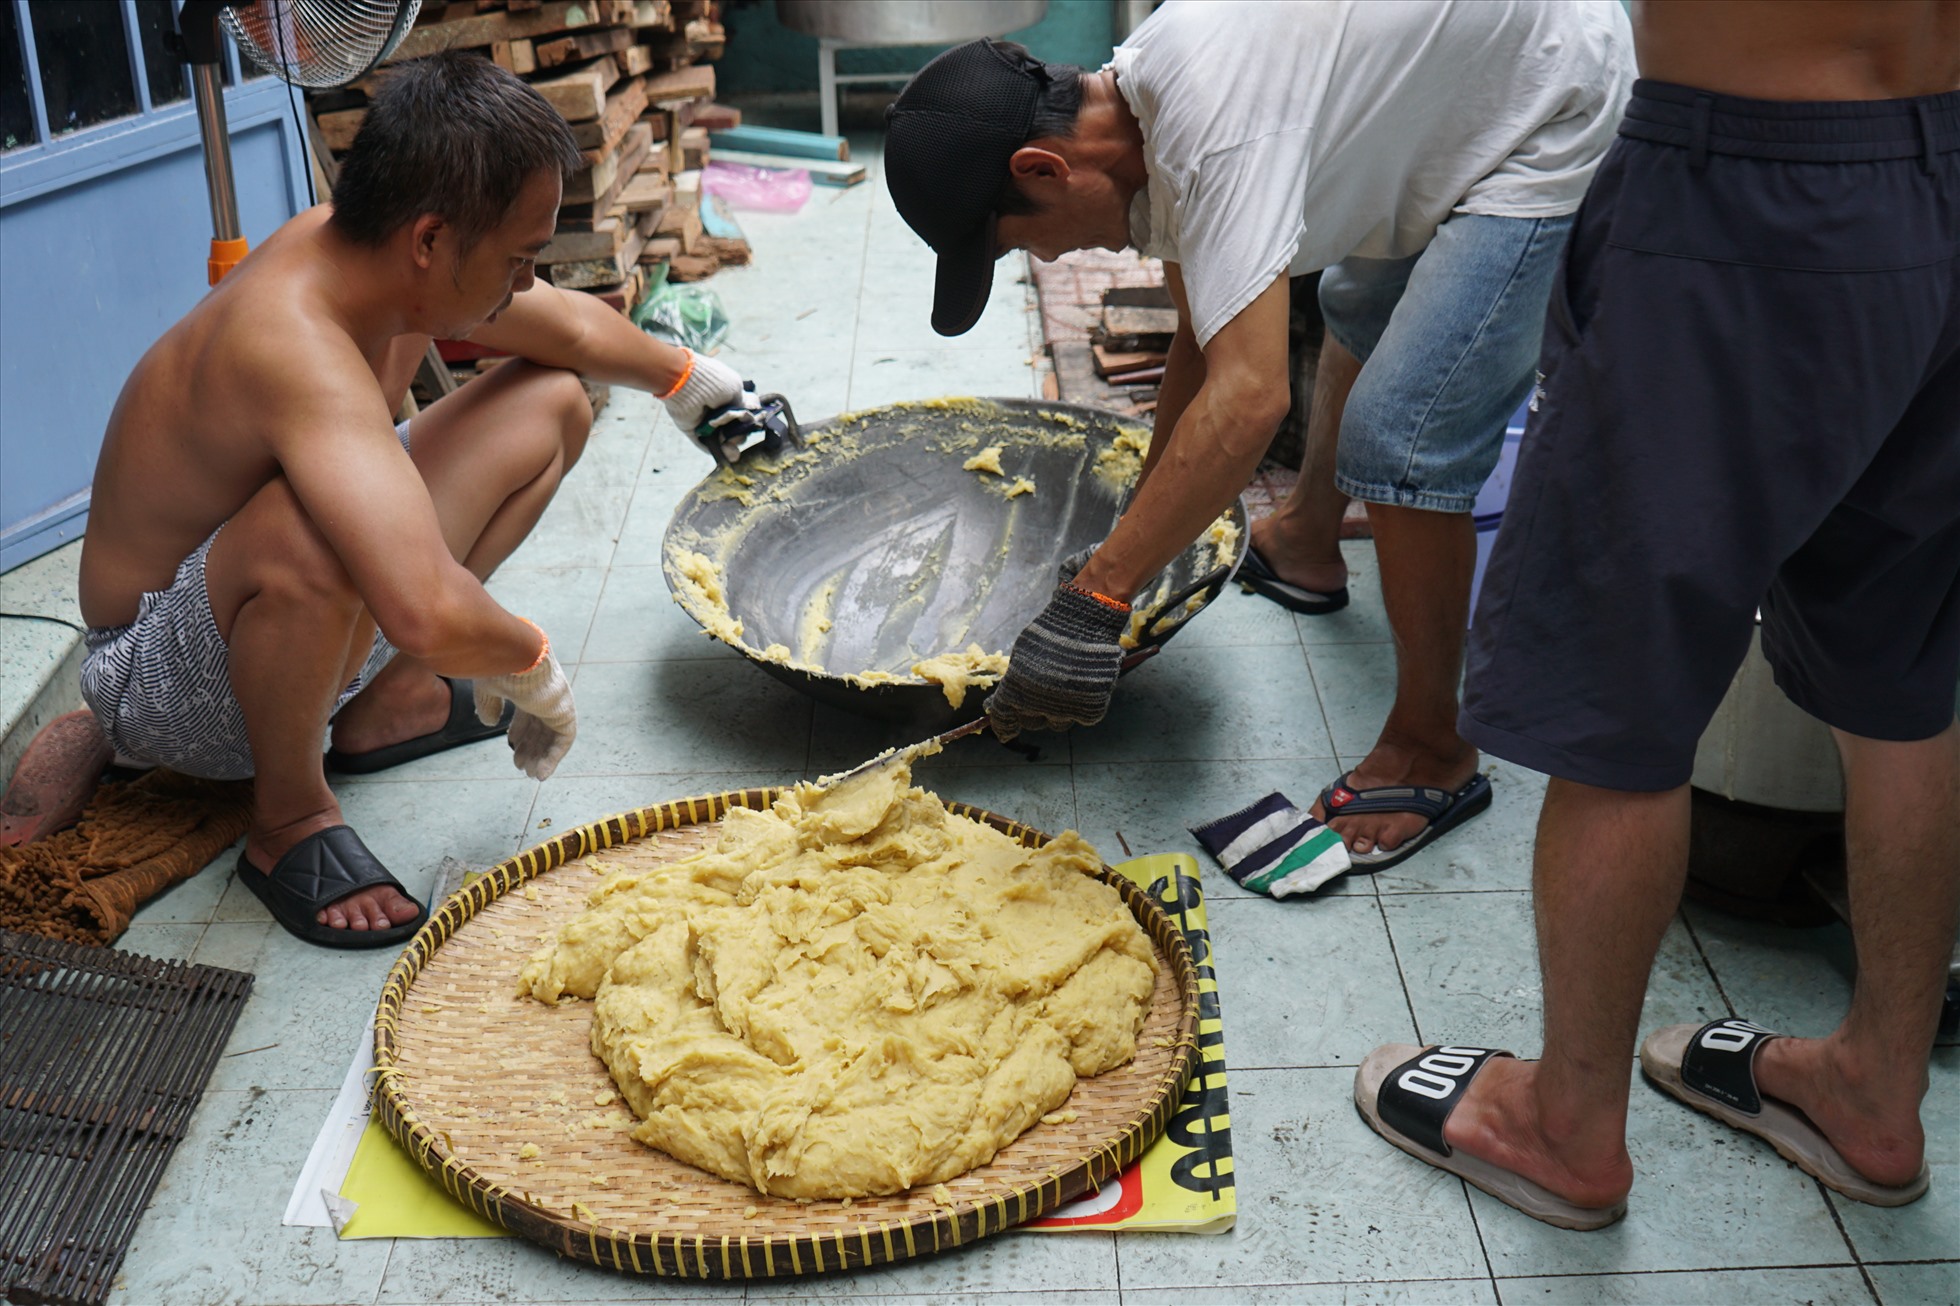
1286 135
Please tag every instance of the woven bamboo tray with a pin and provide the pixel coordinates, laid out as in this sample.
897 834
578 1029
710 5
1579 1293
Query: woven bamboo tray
469 1073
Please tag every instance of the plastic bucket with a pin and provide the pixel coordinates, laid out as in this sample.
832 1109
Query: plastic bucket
1488 511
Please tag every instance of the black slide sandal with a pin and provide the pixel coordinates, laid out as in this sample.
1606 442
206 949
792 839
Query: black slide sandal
1256 576
1406 1095
1712 1068
319 870
461 728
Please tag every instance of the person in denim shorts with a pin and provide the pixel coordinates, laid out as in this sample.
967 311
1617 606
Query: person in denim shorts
1427 158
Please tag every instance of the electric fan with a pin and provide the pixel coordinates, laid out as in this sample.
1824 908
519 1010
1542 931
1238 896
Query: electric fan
315 43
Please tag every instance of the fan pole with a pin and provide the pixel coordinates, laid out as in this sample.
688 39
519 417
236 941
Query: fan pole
199 25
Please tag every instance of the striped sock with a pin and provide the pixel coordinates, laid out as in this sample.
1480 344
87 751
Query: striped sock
1273 847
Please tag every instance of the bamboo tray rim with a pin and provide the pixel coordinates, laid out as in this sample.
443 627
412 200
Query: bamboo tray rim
648 1250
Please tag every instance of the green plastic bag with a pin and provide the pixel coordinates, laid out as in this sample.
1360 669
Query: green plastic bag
690 315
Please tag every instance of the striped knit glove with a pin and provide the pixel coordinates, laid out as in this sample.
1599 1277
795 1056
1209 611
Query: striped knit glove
1066 569
1063 667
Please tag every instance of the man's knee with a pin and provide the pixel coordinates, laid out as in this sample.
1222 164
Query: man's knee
572 408
552 398
286 557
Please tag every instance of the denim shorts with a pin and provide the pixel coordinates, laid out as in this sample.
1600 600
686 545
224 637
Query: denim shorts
1448 341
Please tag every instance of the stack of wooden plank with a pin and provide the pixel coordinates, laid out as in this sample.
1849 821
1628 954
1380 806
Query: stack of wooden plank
630 76
1133 338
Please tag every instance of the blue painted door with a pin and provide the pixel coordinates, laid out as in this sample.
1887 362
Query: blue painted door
104 229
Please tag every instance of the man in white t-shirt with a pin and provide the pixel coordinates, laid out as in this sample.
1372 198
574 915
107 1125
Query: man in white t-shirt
1425 157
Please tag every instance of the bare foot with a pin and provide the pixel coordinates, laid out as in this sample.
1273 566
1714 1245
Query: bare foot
1397 761
1294 560
1874 1126
404 703
1498 1120
378 908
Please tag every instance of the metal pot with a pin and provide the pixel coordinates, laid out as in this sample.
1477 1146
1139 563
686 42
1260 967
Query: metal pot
930 22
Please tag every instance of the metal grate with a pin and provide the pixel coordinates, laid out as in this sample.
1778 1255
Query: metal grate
103 1056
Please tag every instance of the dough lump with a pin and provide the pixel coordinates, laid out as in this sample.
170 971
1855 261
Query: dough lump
955 673
854 993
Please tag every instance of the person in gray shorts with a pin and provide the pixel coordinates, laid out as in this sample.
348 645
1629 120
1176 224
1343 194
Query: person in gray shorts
1751 400
261 539
160 686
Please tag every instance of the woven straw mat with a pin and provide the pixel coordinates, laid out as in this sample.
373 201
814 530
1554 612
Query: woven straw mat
469 1073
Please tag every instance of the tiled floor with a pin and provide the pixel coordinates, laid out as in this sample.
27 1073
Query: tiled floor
833 312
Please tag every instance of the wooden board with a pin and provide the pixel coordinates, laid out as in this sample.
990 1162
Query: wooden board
683 222
693 267
600 185
517 56
338 129
627 295
1109 361
659 249
1137 330
626 103
473 31
694 148
649 189
558 50
696 83
606 240
716 117
600 271
580 95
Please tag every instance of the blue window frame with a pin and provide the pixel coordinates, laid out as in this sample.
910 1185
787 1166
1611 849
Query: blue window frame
104 230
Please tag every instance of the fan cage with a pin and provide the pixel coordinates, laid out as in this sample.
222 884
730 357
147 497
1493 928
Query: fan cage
320 43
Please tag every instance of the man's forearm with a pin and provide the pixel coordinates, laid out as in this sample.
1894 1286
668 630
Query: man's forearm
459 630
1210 455
1184 373
584 334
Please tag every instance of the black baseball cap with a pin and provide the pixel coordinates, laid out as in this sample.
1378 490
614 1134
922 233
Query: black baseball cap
948 139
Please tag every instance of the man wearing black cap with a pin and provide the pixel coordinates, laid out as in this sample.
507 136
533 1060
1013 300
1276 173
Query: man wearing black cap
1427 156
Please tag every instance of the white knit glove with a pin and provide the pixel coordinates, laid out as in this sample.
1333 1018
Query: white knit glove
546 722
710 384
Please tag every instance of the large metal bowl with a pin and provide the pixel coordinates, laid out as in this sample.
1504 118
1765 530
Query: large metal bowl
877 527
887 22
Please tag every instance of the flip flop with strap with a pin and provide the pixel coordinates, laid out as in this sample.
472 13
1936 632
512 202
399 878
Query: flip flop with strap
1256 576
1712 1068
319 870
1443 810
1406 1095
461 728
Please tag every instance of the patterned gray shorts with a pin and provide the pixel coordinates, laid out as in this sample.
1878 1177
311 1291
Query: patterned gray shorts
160 687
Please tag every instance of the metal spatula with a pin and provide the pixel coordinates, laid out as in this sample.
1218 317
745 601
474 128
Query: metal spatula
906 753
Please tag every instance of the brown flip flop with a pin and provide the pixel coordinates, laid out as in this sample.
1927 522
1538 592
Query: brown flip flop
1406 1093
1712 1068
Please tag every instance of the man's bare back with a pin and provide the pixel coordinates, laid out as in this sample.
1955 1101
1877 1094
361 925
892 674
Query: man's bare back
189 442
1802 49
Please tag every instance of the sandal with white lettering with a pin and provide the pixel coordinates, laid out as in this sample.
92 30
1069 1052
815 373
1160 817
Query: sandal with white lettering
1712 1068
1406 1094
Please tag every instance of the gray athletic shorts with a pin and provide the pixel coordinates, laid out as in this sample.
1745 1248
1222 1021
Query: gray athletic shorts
160 687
